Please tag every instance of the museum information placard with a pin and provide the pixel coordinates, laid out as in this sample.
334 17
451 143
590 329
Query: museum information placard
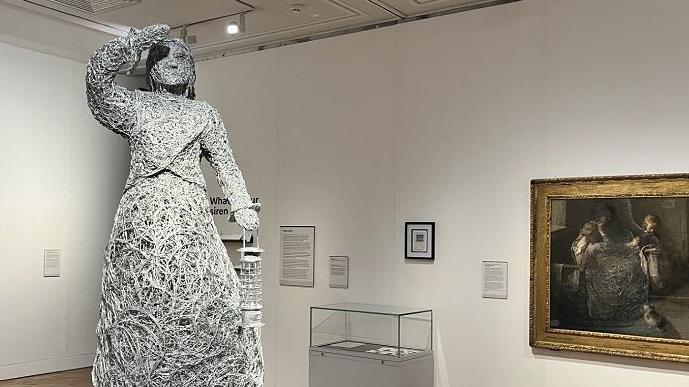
339 272
494 279
297 250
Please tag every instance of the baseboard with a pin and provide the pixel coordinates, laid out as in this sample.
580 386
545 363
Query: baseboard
19 370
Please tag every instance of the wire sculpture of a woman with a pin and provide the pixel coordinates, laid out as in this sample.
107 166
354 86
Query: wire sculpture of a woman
169 313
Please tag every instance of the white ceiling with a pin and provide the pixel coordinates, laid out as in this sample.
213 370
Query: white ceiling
268 22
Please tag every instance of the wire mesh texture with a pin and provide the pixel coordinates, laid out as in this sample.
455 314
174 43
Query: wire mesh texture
170 310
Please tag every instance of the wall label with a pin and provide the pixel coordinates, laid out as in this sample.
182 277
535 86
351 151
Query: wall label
494 279
297 250
339 272
51 262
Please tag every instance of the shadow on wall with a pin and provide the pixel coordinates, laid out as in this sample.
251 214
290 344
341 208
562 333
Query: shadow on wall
441 366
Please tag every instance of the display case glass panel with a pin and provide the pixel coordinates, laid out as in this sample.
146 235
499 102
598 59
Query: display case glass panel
372 329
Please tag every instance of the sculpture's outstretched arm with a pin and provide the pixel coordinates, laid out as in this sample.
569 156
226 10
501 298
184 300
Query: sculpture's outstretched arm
217 150
113 105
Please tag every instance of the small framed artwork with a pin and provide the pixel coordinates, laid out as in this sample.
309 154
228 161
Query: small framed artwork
419 240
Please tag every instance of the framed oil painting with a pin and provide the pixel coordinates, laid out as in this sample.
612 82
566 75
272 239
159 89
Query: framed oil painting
610 265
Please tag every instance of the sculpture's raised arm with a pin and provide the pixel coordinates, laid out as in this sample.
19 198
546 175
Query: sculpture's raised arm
113 105
217 150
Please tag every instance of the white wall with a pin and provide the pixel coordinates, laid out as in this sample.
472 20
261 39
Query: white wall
468 140
62 175
277 105
243 89
448 119
334 164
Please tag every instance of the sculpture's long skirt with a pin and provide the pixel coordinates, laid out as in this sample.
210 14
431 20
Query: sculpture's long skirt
170 305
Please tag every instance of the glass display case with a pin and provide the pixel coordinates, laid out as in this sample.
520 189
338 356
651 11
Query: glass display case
374 331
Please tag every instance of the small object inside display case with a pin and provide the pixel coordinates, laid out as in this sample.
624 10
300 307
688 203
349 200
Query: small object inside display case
394 351
375 331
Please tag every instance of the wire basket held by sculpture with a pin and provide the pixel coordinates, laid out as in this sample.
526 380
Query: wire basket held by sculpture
251 284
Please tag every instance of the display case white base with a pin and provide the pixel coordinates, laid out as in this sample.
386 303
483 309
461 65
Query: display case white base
331 368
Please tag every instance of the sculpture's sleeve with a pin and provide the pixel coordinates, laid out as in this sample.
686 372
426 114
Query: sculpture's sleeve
217 151
111 104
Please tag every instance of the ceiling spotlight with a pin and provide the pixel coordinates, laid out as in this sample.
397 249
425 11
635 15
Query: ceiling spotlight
236 27
233 28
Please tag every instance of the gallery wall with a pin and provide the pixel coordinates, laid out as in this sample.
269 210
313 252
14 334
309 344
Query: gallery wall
447 120
245 94
62 175
444 120
314 146
468 140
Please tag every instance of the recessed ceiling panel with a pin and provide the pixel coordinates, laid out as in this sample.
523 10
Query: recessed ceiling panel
174 12
273 21
267 21
94 6
141 13
420 7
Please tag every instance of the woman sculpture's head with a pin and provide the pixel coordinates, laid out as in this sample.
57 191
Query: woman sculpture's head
170 67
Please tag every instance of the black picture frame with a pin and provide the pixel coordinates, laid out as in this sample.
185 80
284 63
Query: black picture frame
414 230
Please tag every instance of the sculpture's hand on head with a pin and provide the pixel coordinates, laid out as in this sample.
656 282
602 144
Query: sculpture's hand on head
142 40
111 104
149 36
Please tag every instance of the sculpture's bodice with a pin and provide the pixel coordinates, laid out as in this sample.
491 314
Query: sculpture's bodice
166 136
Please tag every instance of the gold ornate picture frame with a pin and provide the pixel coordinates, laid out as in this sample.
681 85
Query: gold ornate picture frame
610 265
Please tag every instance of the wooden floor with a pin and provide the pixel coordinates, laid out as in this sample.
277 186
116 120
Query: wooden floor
74 378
